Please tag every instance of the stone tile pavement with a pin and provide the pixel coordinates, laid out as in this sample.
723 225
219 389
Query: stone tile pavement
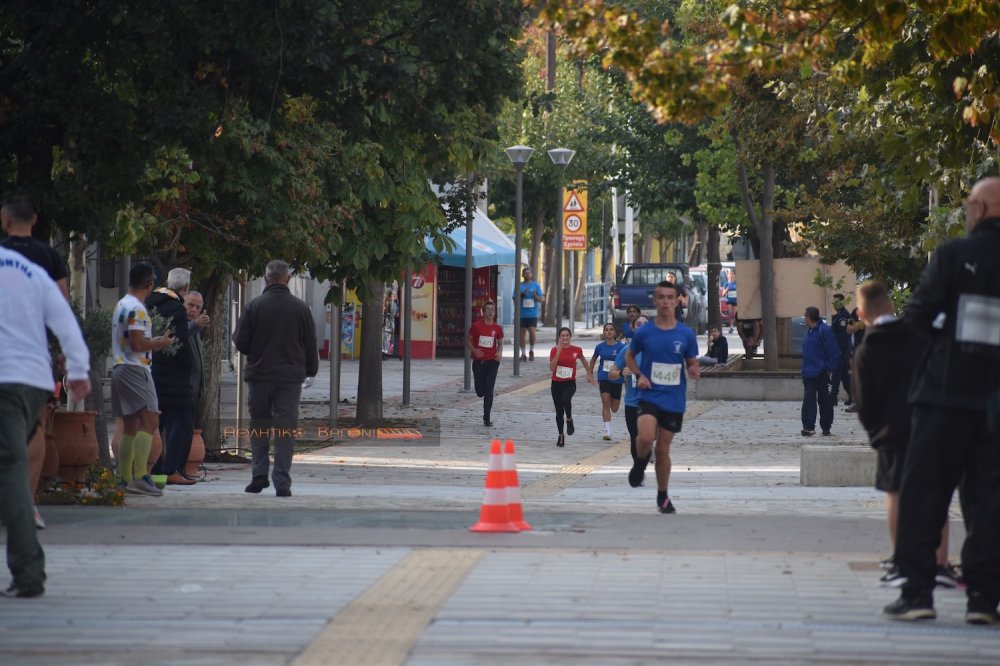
352 569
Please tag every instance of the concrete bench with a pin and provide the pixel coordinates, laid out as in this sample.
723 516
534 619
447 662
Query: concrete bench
837 465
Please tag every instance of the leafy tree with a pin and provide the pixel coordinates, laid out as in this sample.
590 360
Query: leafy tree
229 133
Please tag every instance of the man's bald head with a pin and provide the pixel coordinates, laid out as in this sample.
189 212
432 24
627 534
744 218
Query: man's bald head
983 202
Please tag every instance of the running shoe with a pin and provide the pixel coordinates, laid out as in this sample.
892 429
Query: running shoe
666 506
980 610
912 606
947 576
637 473
144 486
524 357
808 433
569 427
887 563
606 437
531 355
39 521
561 441
892 578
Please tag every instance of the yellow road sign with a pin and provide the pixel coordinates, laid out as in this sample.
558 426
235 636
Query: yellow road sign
575 217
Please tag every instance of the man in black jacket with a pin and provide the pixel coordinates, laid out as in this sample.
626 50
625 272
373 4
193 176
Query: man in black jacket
841 376
172 378
277 335
957 303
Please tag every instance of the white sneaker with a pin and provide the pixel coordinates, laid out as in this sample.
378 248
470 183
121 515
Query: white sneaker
39 521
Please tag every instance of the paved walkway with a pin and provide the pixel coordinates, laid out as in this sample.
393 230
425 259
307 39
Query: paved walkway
371 560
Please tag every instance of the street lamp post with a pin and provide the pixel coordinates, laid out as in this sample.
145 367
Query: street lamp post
561 157
519 155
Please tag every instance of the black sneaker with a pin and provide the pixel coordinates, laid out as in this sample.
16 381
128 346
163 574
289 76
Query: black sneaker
947 576
283 492
569 427
887 563
827 433
980 610
665 505
912 606
637 473
257 484
561 441
487 422
892 578
808 433
24 591
531 355
524 357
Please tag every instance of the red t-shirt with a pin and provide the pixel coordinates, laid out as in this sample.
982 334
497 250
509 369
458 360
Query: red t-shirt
486 338
567 363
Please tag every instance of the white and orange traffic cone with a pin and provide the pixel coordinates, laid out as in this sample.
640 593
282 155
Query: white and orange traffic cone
494 516
513 487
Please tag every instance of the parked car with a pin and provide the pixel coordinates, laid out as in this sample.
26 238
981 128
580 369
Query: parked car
638 283
700 274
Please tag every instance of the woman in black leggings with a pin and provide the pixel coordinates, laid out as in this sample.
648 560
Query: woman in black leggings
562 362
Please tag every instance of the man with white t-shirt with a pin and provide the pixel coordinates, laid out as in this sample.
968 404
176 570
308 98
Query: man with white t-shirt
667 347
29 302
133 394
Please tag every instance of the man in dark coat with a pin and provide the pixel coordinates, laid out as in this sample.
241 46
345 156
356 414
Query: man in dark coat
957 304
277 335
172 378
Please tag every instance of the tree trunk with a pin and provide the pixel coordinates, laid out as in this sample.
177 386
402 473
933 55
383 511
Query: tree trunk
768 310
764 225
714 267
537 228
369 410
215 341
551 302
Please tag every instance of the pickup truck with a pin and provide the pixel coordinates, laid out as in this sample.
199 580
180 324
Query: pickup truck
638 283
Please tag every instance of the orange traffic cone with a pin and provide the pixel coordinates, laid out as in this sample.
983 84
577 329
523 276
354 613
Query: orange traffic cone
513 487
495 515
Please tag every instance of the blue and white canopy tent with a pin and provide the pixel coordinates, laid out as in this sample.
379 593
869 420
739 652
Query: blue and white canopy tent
490 246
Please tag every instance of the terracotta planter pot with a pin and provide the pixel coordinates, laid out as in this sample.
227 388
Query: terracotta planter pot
197 454
76 442
154 450
50 467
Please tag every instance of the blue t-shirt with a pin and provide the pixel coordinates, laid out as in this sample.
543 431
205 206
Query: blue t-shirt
664 363
731 294
631 398
627 331
606 355
529 306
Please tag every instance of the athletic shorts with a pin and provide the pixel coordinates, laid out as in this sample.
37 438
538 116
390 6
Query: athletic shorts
889 470
612 388
132 390
669 421
530 322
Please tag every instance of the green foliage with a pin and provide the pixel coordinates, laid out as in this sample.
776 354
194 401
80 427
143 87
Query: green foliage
223 135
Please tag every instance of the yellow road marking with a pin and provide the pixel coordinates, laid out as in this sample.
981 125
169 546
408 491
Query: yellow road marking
532 388
571 474
381 626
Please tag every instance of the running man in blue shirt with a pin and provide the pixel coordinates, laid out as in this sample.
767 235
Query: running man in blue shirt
603 360
668 347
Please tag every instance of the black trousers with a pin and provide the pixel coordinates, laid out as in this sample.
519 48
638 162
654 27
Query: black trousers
484 374
842 376
632 423
562 397
816 391
948 448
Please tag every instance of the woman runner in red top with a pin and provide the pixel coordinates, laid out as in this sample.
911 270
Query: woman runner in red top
485 341
562 362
